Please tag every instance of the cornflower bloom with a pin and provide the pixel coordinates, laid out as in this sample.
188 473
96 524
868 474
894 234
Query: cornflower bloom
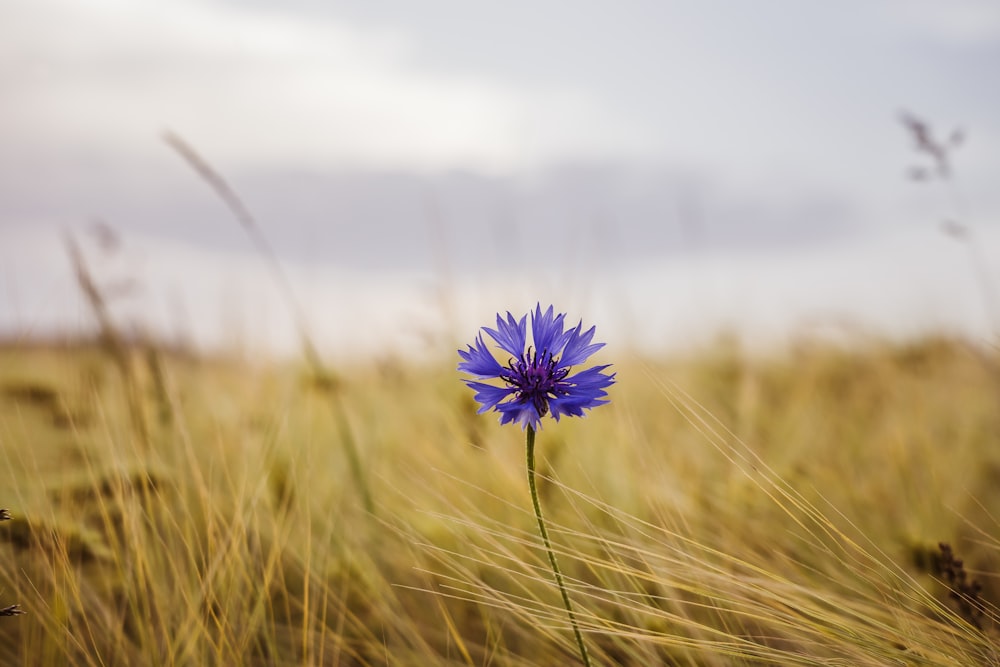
537 378
537 382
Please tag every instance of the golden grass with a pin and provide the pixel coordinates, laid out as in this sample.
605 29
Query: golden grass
725 509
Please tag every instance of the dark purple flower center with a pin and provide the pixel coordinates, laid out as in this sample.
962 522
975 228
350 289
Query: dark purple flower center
536 378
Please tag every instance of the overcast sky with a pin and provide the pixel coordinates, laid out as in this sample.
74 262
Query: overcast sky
400 135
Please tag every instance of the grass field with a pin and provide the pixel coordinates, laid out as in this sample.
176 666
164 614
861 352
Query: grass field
725 509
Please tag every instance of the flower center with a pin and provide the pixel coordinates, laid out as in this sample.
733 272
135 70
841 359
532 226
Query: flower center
536 377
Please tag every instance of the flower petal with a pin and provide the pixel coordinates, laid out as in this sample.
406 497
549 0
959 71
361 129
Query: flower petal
578 348
573 406
521 412
547 330
591 378
487 395
510 335
479 361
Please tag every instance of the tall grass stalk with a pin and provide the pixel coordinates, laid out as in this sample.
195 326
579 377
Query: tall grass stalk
325 378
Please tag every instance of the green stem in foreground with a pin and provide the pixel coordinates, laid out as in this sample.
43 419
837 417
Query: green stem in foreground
530 453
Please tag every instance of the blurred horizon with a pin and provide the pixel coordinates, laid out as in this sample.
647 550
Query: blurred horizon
667 171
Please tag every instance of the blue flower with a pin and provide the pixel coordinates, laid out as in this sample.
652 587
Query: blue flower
536 378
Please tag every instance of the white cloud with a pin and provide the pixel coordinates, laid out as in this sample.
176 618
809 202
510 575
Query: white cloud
249 85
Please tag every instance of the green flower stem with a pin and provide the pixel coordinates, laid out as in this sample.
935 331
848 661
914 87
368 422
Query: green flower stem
530 452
